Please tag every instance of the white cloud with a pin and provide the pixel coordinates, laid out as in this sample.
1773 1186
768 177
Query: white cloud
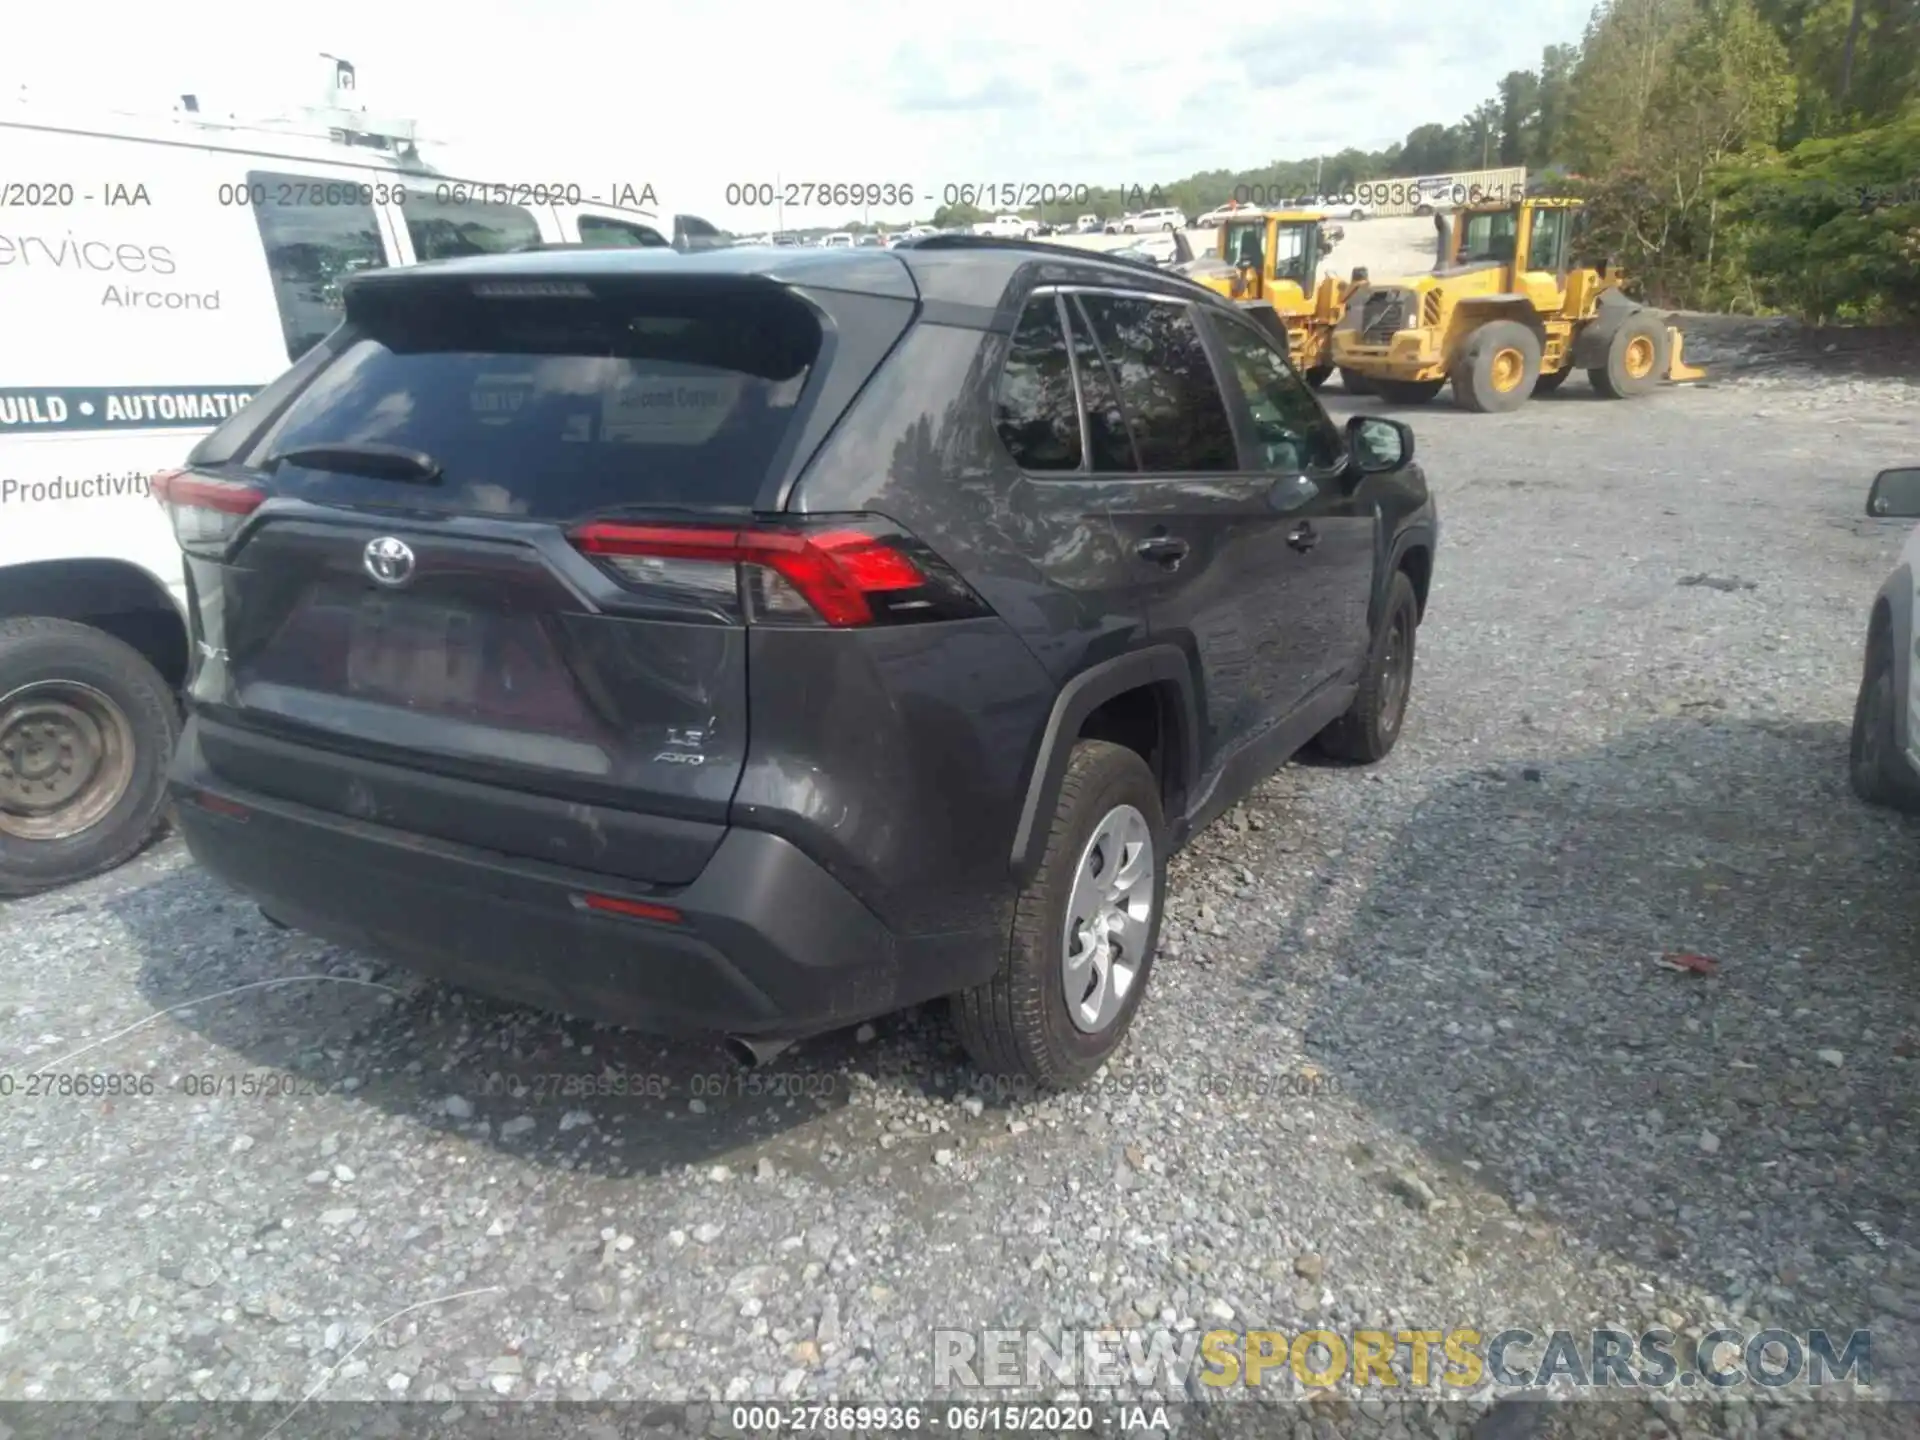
691 97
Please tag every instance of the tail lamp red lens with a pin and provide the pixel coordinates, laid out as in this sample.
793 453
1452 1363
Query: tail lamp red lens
205 512
837 572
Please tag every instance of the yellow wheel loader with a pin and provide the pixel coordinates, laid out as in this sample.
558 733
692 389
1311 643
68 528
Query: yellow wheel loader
1504 315
1270 261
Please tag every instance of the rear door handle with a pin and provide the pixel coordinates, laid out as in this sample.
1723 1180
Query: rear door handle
1164 549
1303 536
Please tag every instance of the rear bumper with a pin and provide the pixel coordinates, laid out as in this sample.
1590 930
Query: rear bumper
769 945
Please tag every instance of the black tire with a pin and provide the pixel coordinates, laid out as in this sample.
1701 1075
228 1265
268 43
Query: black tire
1423 210
1017 1024
1354 382
1497 368
1357 215
1408 392
1879 771
70 687
1637 358
1550 381
1372 724
1317 375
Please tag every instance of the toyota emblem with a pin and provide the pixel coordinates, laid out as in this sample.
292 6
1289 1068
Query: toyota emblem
389 561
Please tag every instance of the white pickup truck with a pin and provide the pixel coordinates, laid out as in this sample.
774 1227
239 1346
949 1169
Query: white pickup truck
1008 227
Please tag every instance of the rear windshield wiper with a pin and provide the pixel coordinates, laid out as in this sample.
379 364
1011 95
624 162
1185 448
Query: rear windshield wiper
382 462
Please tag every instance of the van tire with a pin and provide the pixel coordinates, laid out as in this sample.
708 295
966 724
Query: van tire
1016 1026
63 684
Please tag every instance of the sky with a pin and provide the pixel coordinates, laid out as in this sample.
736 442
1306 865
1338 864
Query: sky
690 97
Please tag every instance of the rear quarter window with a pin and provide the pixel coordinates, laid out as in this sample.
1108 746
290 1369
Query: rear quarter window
557 409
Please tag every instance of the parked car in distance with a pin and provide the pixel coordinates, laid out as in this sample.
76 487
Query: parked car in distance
1087 225
869 242
1162 219
474 685
1884 756
1122 225
1008 227
838 240
1220 214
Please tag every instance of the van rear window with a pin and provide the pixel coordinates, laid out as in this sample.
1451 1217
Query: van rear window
556 408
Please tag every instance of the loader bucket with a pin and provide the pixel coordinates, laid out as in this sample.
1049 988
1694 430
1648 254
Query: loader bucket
1677 369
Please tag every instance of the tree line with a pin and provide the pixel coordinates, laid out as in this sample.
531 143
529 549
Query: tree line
1742 155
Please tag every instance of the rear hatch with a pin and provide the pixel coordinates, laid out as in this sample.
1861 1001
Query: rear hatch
409 607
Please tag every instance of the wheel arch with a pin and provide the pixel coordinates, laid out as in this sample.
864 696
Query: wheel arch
1480 310
1158 675
1891 621
118 597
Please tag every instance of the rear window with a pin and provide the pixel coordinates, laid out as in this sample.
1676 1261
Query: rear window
555 408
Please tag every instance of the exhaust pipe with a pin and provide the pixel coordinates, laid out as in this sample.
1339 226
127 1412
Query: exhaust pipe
754 1053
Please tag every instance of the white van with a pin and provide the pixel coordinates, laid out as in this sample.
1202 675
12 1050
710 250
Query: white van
155 275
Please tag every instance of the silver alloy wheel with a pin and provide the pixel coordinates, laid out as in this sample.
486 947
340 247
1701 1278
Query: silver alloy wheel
1109 916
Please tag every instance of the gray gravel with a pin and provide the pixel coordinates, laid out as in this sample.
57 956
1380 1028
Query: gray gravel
1410 1059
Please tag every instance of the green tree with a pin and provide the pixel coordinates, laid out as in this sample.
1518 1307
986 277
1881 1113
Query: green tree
1726 89
1519 115
1832 227
1556 81
1628 47
1429 150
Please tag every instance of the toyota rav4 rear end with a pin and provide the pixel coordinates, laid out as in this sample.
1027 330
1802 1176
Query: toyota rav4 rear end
514 666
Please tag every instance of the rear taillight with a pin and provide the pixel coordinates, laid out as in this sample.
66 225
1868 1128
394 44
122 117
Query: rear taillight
205 512
841 573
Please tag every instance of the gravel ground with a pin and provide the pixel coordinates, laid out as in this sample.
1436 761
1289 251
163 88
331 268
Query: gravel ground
1410 1059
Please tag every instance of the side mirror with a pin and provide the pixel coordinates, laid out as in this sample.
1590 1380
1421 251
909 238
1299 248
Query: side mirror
1359 274
1379 445
1895 494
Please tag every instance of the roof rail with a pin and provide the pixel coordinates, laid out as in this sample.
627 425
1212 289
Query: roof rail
1007 242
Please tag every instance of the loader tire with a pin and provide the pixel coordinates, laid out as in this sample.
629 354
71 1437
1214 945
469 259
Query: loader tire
1354 383
1316 376
1497 368
1636 358
1408 392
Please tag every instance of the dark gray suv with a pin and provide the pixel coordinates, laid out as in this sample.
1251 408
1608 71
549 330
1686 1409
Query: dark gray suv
757 641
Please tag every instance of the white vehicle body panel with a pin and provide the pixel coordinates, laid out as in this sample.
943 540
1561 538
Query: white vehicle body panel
1910 558
141 308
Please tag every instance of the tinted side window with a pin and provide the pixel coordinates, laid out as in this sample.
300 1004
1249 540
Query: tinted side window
1166 383
1107 434
1293 432
312 247
598 230
1033 407
443 230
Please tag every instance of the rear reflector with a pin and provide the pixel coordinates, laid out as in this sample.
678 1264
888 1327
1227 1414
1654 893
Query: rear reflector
205 512
837 572
637 909
220 806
